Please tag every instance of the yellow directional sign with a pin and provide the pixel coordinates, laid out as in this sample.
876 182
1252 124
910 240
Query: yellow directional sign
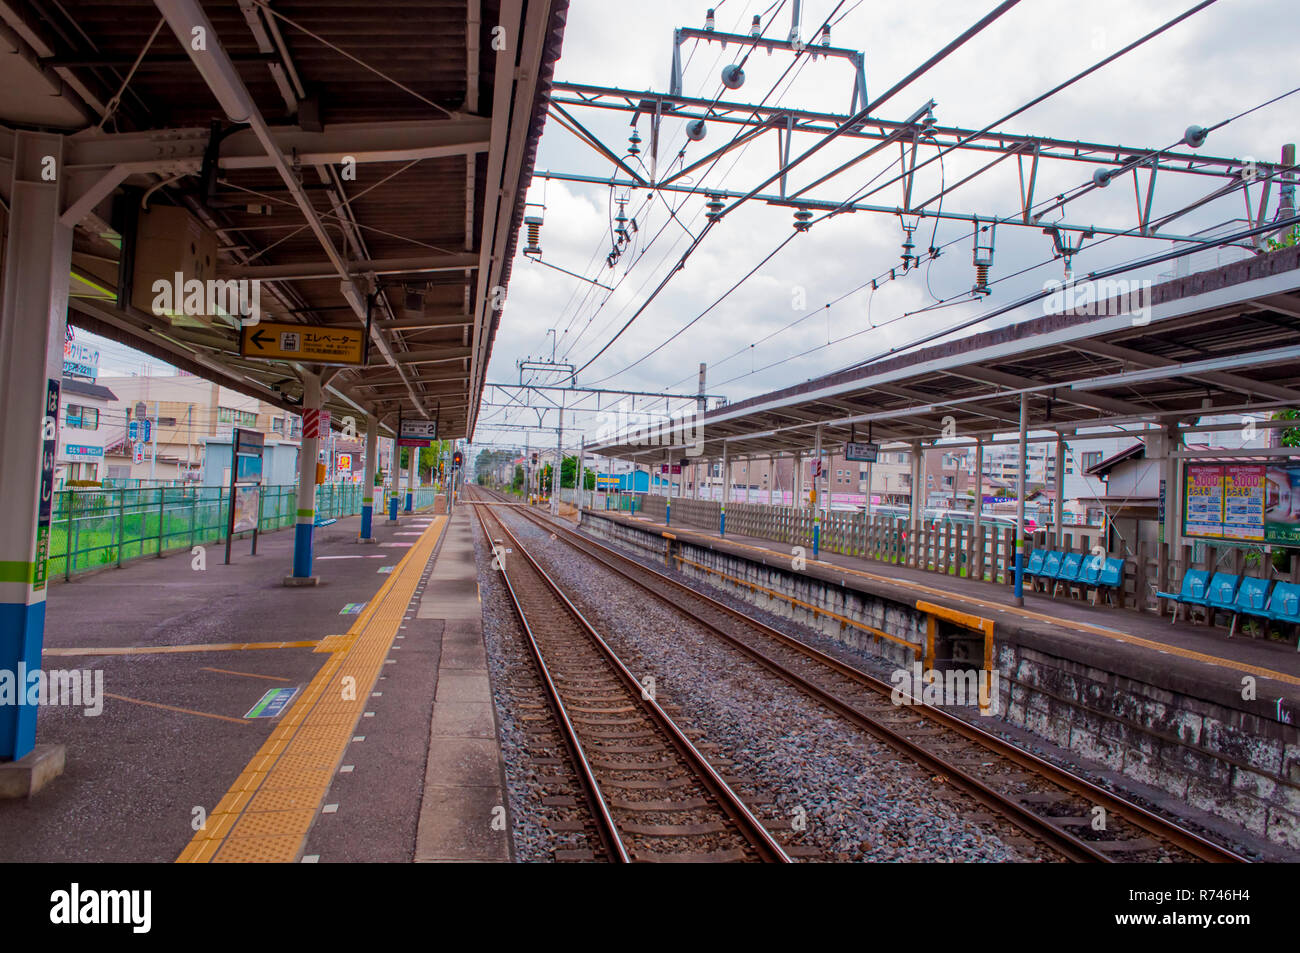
302 342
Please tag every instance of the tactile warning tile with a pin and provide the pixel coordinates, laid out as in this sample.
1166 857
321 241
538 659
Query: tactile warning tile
271 806
255 850
335 643
272 823
284 799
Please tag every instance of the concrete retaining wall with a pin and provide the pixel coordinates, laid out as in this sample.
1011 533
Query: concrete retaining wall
1237 760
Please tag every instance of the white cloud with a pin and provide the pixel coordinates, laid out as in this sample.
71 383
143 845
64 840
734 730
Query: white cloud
1219 62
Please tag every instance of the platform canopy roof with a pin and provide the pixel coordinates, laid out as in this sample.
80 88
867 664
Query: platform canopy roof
1217 342
368 162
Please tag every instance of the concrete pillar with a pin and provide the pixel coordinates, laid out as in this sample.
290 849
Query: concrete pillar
38 255
1060 490
1020 500
305 524
368 490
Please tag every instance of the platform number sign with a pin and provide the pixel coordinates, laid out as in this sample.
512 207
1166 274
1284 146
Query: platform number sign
49 448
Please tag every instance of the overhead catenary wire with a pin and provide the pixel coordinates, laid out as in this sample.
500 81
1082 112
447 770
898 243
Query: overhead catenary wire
862 192
965 296
713 220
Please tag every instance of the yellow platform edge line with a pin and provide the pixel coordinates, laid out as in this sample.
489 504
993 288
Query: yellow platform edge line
169 649
304 750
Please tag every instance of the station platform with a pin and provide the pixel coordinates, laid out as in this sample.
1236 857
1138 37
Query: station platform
242 720
1199 659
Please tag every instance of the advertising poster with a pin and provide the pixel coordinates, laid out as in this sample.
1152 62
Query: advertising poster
1203 513
1243 502
246 508
1282 505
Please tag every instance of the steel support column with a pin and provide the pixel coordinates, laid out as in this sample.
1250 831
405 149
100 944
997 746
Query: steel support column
305 523
978 501
412 466
726 490
1060 491
368 491
1020 501
38 255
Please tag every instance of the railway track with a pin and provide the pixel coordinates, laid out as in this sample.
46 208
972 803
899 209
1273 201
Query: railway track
1077 818
652 795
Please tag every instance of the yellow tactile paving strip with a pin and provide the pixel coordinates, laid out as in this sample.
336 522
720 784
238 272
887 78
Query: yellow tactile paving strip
266 814
1023 613
169 649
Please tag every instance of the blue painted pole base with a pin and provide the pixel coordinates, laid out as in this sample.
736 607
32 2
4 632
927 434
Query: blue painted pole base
22 633
668 514
367 518
410 502
1020 573
392 508
722 523
302 540
817 538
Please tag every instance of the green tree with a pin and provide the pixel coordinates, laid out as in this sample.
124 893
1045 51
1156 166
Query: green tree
517 484
1286 241
568 477
1291 436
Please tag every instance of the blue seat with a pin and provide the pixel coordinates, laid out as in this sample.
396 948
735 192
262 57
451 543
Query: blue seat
1196 585
1035 564
1071 565
1110 579
1252 598
1222 593
1090 573
1284 604
1051 567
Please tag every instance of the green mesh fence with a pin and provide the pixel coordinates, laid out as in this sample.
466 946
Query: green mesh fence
93 528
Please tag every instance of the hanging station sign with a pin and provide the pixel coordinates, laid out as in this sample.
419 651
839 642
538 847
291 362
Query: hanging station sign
861 452
415 432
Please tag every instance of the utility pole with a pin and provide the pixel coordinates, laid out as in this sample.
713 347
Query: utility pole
559 461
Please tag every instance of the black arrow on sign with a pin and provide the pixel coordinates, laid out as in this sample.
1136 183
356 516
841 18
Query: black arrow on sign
259 338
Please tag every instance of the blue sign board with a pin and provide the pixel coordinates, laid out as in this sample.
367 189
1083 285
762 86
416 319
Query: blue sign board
273 703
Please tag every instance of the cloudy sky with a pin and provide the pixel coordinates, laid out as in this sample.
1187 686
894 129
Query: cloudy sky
1227 58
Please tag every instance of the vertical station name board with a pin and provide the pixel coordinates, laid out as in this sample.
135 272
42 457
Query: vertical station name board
49 449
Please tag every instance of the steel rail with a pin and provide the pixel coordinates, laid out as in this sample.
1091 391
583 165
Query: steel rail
605 824
1151 823
749 826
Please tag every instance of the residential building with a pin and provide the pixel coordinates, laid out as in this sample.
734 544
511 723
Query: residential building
184 411
84 425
